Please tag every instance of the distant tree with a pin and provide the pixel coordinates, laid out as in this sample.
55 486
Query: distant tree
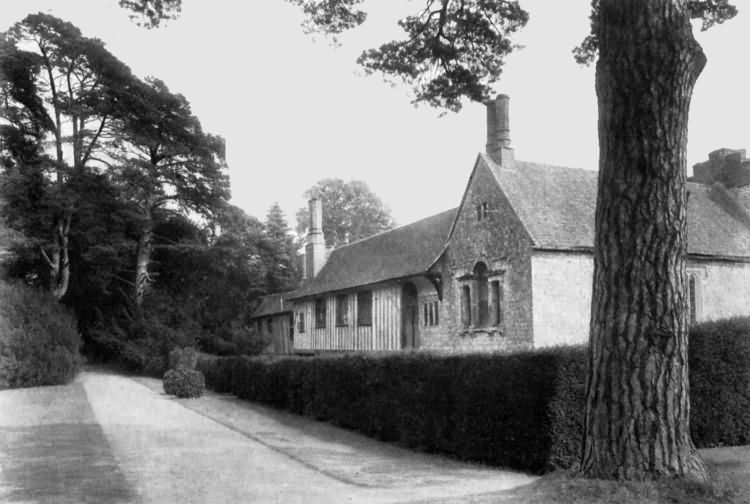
58 87
283 273
350 211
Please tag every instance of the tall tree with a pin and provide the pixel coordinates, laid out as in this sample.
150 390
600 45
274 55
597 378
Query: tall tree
61 87
165 162
350 211
637 397
283 272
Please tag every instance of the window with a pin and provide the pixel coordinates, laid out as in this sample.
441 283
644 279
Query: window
482 211
300 322
483 311
364 308
320 313
692 299
466 306
497 302
430 315
269 324
342 311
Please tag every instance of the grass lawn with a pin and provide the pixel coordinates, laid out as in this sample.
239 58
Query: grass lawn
562 488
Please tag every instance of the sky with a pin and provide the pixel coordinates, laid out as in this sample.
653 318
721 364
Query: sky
295 109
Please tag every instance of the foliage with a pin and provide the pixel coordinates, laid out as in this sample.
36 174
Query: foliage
39 340
184 382
151 13
282 272
350 211
452 50
719 357
183 358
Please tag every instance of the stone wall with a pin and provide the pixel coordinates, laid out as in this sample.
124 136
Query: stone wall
500 241
561 294
561 285
722 289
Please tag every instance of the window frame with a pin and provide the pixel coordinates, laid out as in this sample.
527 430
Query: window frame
364 318
342 310
320 313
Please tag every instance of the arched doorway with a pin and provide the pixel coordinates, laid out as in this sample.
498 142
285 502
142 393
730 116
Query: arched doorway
409 317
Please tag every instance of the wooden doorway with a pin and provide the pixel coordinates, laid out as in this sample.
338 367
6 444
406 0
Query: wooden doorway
409 317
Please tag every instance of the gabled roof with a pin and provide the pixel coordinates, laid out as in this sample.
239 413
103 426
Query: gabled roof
272 304
557 206
405 251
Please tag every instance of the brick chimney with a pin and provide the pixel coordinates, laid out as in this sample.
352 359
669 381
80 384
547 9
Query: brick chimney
498 129
315 248
728 166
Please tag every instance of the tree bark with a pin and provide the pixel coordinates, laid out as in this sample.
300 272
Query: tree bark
143 259
59 264
637 398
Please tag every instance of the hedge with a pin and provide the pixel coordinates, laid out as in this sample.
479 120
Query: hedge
523 411
39 339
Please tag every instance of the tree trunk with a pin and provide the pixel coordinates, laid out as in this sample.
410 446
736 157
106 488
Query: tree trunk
143 259
59 263
637 397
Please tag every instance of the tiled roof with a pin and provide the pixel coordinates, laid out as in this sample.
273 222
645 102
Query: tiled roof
272 304
401 252
557 206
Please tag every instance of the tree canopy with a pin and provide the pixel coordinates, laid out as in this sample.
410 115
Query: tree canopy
350 211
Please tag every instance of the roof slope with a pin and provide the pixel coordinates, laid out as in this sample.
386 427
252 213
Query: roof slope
404 251
272 304
557 206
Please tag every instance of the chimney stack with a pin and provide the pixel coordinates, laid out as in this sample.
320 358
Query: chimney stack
315 249
498 129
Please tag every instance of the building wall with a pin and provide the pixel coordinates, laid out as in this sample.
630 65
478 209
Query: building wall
561 285
500 241
276 330
383 334
722 289
561 296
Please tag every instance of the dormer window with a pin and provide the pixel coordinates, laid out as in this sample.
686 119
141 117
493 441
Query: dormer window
482 211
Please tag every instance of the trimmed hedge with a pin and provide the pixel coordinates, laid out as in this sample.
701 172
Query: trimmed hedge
522 410
39 339
494 409
719 359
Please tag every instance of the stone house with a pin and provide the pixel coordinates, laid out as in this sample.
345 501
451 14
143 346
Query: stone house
510 268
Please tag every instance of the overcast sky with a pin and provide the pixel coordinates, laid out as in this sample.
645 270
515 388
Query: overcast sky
294 109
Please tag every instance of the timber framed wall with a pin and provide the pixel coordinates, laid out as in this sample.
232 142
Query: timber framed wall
383 334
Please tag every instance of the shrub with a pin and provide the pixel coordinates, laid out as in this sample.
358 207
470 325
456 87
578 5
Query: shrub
523 410
719 359
39 340
184 382
497 409
183 357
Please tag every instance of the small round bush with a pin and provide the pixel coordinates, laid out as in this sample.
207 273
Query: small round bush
184 382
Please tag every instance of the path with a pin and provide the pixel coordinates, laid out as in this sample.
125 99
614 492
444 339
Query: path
111 439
